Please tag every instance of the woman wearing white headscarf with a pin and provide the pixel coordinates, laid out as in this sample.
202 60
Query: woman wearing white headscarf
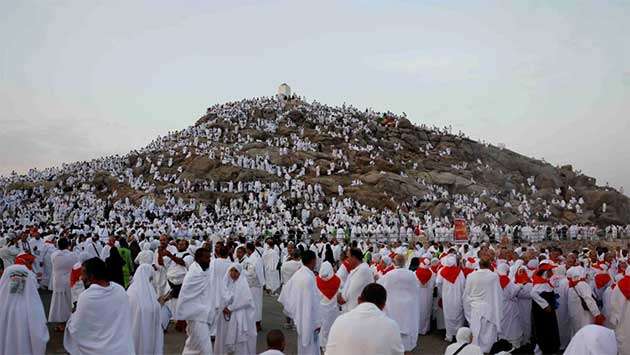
328 284
148 337
593 339
145 256
463 345
236 326
22 320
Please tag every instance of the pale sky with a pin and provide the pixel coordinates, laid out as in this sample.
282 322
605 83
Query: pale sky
83 79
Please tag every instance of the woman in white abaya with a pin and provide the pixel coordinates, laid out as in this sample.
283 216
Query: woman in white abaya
236 326
148 337
22 320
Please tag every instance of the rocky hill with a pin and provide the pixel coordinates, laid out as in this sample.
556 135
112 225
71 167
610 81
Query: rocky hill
376 160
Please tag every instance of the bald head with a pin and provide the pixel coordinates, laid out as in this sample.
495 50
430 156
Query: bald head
275 340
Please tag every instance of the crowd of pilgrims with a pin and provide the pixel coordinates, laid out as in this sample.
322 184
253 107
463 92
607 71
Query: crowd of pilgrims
166 254
85 195
120 296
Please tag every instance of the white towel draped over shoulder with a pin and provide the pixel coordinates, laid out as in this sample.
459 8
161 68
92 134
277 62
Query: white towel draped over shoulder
101 323
195 300
301 301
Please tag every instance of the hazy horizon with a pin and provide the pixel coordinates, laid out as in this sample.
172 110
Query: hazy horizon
82 80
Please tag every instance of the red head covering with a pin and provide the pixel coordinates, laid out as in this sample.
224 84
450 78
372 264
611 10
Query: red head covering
522 277
25 259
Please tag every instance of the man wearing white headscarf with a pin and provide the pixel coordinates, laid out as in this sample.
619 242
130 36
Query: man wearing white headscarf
593 339
450 283
403 305
236 324
22 320
301 300
620 312
195 305
464 345
148 336
329 285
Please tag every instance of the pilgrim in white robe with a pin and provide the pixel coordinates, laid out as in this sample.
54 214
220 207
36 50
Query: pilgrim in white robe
426 283
301 301
48 250
364 330
61 301
579 317
101 323
463 346
195 306
561 288
218 268
145 256
356 281
593 339
402 304
620 313
451 293
524 304
255 275
271 258
482 302
510 328
289 268
328 284
22 319
148 336
236 333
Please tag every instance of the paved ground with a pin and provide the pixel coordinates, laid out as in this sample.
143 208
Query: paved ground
272 318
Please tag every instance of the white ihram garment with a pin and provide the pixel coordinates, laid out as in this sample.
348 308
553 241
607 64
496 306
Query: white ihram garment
61 302
364 330
301 301
403 304
593 340
356 281
272 275
483 307
101 323
196 307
